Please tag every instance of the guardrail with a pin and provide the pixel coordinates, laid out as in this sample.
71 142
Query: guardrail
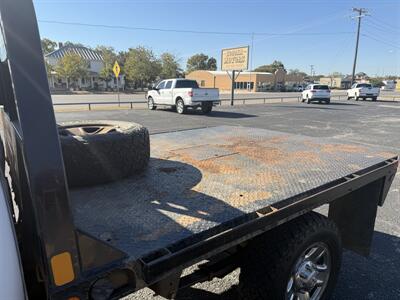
261 100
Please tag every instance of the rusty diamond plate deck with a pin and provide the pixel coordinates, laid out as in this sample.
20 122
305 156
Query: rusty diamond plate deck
198 179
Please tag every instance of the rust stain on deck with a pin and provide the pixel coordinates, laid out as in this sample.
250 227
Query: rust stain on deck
256 180
186 220
218 165
306 156
334 148
386 154
255 149
241 198
263 151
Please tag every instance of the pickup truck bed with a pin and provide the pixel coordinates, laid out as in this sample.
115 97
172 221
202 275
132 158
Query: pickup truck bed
200 182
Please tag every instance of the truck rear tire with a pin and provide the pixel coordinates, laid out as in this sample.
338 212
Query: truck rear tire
180 106
300 257
97 152
374 98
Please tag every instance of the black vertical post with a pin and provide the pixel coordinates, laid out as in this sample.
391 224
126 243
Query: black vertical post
38 159
233 87
356 52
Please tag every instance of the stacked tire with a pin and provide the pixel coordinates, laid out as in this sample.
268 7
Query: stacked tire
97 152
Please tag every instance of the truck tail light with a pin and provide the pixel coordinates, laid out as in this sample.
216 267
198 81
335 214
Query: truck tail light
190 94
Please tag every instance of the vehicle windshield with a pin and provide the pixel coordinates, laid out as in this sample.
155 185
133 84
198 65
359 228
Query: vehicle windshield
366 85
321 87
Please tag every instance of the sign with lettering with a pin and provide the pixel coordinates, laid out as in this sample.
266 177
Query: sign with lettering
235 59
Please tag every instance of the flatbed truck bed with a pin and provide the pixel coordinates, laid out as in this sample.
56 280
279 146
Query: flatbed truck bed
202 182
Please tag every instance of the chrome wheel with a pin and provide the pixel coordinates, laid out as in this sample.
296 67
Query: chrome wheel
180 107
310 275
150 104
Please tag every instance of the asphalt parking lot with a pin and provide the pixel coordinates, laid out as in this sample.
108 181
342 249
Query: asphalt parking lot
363 122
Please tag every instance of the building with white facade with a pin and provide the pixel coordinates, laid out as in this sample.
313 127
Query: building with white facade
90 82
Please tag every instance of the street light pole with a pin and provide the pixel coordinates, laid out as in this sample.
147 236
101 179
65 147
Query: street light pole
311 73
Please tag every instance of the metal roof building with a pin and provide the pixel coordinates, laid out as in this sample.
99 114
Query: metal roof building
83 52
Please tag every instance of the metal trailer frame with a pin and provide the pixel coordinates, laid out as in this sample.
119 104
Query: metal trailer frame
45 228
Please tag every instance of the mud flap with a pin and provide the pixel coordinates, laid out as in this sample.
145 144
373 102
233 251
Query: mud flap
355 215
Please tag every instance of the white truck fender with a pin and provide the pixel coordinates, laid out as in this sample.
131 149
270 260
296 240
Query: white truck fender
11 274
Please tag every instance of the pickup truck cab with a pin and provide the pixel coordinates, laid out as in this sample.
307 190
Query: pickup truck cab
362 90
182 93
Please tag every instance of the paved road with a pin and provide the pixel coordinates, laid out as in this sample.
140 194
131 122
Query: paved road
376 277
140 96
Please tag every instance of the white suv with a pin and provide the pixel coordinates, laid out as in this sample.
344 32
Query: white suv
316 92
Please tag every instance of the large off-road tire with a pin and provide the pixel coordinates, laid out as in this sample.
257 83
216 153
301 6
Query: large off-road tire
275 264
97 152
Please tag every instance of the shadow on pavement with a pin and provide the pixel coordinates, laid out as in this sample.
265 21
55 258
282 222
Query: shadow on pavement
344 103
228 114
214 114
376 277
387 101
310 106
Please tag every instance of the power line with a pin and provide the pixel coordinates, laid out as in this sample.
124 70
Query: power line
381 41
381 37
382 28
384 24
122 27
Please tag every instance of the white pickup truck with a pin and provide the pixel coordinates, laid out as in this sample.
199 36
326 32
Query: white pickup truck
182 93
363 91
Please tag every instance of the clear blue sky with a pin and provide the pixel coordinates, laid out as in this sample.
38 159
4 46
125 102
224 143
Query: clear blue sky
318 32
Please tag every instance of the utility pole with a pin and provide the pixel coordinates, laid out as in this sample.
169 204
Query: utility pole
361 13
311 72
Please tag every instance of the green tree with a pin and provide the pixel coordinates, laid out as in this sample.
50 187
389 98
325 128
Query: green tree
109 58
271 68
377 82
73 44
212 64
297 72
142 66
201 62
336 74
71 67
49 68
169 66
48 45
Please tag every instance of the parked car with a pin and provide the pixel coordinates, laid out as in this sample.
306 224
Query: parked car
389 85
297 88
363 91
182 93
316 92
